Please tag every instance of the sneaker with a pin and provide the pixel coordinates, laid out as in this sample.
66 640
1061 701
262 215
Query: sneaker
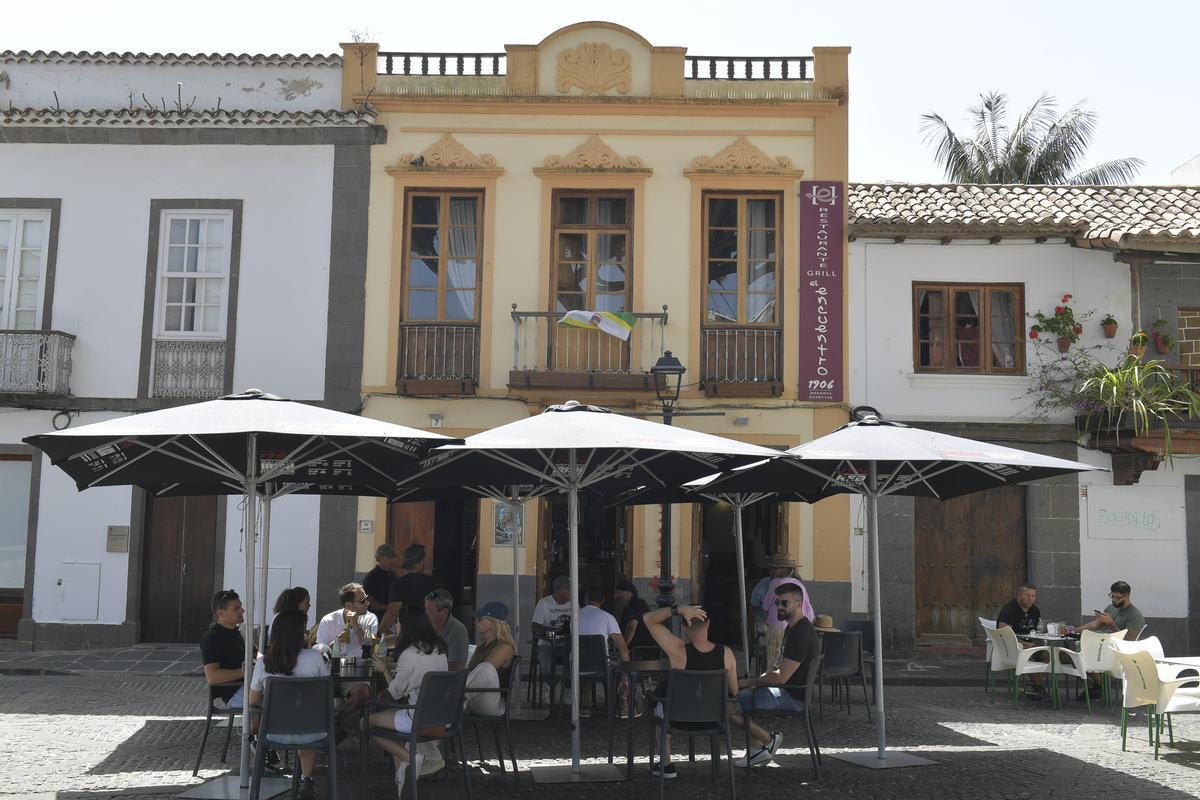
306 789
1095 693
755 757
272 758
402 773
1035 692
776 741
430 765
668 773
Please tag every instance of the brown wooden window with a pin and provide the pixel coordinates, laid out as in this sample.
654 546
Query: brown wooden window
972 328
592 251
443 239
741 257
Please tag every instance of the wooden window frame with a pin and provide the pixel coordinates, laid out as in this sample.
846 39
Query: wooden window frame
743 257
591 229
444 195
985 328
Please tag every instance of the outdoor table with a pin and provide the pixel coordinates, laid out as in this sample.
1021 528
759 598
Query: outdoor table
632 670
359 671
1055 643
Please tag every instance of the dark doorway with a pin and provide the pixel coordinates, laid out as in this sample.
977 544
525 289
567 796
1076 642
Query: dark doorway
449 529
604 556
762 533
178 567
970 556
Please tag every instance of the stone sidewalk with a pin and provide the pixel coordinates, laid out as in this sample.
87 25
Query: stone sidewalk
133 735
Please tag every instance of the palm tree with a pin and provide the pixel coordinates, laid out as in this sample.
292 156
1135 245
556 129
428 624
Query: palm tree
1041 148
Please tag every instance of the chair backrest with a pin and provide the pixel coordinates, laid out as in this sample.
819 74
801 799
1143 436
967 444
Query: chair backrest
1142 633
647 652
1150 645
697 696
810 680
1141 678
864 627
593 655
297 706
987 624
440 699
1097 655
510 675
843 653
1004 648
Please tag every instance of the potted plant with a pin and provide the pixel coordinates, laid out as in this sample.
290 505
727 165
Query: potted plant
1064 324
1162 340
1137 343
1138 396
1109 326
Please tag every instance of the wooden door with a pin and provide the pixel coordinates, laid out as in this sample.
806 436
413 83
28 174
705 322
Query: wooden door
970 555
178 568
412 523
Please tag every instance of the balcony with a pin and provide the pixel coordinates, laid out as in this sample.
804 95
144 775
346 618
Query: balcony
547 355
193 370
438 359
742 362
36 362
489 65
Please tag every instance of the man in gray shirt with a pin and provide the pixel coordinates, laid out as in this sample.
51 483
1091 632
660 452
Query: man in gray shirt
1120 615
438 605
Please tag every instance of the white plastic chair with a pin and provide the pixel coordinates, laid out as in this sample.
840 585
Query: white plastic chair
987 625
1098 658
1144 686
1009 656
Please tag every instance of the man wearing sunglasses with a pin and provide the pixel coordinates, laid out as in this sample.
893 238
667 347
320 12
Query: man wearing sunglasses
1120 615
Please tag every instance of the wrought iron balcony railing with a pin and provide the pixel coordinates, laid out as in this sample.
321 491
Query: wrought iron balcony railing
188 369
438 352
542 346
742 355
36 362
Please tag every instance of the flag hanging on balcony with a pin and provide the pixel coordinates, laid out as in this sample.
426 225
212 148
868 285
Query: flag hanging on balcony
614 323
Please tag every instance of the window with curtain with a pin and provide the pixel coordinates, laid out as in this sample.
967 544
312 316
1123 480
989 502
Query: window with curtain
741 259
592 251
441 268
193 274
968 328
23 246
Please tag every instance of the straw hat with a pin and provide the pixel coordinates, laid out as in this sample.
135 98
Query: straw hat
824 624
782 560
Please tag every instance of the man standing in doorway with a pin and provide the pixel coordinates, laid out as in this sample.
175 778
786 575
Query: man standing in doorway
378 581
408 591
222 648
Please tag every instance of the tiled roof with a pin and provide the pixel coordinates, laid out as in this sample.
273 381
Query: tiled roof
1095 216
169 59
204 118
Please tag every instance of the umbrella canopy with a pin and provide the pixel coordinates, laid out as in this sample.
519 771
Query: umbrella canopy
876 458
570 448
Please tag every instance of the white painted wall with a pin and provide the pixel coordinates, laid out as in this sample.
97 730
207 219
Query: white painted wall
881 278
110 86
1188 172
104 228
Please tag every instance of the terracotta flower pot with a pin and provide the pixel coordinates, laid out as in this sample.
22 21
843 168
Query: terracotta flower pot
1110 330
1162 347
1138 351
1064 344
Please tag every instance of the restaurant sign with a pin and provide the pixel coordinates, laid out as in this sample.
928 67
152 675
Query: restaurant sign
822 353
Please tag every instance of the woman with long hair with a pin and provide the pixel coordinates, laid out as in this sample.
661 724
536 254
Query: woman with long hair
294 599
493 655
421 651
288 655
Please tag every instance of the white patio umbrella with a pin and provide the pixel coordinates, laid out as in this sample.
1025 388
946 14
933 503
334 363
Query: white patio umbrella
877 458
251 443
570 448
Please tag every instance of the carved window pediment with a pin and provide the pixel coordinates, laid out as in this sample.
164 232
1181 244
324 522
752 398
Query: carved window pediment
743 158
594 68
593 156
447 154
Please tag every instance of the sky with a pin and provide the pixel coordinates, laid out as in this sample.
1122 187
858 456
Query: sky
1134 64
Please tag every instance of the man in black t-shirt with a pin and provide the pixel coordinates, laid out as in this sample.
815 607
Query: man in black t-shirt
408 591
1021 614
632 608
378 582
222 648
800 647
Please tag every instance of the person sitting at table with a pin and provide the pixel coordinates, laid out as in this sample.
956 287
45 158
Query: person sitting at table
350 627
780 569
595 621
495 653
421 651
631 608
1120 615
407 592
552 614
438 605
378 582
223 650
287 654
800 647
1022 615
693 652
294 599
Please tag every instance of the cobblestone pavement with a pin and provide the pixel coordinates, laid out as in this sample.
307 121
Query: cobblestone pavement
100 736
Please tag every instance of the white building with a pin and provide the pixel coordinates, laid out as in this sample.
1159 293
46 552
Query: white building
172 227
942 280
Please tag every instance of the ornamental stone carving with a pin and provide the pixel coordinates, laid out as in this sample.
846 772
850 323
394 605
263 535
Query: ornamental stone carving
594 154
594 68
447 154
744 158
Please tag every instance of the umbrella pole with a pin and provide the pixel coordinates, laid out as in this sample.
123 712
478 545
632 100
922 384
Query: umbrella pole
873 532
266 562
573 525
741 570
248 532
514 509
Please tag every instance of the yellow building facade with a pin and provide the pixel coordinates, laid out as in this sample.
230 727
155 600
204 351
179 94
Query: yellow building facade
596 172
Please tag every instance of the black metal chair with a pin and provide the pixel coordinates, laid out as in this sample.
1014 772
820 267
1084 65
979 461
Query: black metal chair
437 716
866 628
810 681
696 704
843 661
595 667
509 678
297 714
214 694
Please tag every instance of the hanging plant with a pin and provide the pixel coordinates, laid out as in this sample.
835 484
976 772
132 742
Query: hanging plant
1109 326
1162 340
1062 324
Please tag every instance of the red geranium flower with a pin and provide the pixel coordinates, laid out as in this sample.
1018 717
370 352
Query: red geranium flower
1033 333
1079 329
